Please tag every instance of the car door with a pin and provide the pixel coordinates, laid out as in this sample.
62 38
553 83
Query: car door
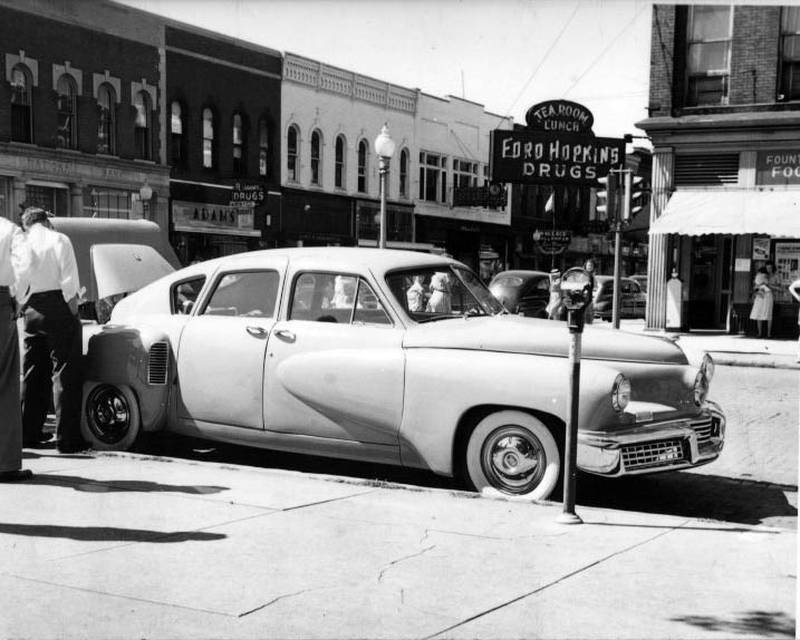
335 365
222 349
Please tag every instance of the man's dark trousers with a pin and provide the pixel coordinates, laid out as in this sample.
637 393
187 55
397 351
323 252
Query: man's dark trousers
51 360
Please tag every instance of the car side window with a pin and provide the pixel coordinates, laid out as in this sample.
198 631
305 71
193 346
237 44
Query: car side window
332 297
184 295
244 294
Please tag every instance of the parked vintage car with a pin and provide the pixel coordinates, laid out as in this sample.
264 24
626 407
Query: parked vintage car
524 292
392 357
632 300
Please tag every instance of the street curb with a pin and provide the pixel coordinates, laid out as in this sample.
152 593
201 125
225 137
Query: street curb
767 361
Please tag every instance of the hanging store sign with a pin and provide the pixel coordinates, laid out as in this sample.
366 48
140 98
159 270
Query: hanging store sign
552 241
560 115
490 195
247 195
544 157
779 166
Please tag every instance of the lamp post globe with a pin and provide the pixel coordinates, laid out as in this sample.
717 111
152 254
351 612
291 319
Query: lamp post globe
145 194
384 148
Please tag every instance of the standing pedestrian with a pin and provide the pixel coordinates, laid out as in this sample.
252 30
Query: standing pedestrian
588 312
761 311
794 289
11 264
53 340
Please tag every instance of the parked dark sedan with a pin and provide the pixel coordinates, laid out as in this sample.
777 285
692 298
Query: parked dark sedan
632 299
523 292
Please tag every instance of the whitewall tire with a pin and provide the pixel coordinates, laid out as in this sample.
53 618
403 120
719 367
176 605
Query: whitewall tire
512 453
110 420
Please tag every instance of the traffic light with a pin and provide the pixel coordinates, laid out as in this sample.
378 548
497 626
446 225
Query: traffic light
632 198
607 198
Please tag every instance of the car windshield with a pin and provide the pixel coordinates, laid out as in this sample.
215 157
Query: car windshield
441 292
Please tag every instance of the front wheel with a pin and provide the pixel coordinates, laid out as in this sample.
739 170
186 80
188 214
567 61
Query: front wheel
110 417
512 453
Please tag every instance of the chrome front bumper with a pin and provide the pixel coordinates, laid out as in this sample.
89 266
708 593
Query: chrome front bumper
654 446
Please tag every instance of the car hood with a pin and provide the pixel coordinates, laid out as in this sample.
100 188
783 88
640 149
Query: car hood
517 334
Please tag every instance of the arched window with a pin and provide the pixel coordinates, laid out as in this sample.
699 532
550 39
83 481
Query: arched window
291 153
363 155
21 104
177 139
208 138
316 151
339 175
404 173
143 125
66 135
239 156
263 148
106 122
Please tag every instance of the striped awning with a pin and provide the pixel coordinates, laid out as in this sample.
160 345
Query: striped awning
734 212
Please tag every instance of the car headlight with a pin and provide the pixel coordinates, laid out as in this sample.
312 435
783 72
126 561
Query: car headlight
620 393
700 387
707 366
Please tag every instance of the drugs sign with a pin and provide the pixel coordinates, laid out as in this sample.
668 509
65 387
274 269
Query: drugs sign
546 157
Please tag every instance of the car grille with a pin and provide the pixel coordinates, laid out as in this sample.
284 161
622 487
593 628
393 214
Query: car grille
157 363
662 453
703 428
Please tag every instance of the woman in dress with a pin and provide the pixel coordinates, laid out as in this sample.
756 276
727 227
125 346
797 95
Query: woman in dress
761 310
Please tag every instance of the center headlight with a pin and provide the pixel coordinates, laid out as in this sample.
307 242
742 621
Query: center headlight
700 387
621 393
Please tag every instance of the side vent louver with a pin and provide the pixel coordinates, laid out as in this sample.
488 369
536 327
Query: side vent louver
157 363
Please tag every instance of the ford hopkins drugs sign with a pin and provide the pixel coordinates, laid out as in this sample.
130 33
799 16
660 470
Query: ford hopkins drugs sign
546 157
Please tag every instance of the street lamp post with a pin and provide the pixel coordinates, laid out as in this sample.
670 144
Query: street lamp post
384 147
145 194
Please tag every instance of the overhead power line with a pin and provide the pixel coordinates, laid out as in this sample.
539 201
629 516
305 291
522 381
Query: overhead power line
542 61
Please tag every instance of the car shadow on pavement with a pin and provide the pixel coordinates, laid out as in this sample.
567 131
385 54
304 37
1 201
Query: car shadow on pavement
105 534
750 623
91 485
692 495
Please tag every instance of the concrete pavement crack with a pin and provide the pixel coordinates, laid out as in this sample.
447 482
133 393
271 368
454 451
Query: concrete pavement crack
556 581
276 599
404 558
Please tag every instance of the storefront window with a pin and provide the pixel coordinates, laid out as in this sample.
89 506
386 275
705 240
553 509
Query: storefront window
21 104
341 145
208 138
67 107
52 199
102 202
176 133
142 125
790 54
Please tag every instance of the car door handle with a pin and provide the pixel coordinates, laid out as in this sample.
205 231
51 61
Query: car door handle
286 335
257 332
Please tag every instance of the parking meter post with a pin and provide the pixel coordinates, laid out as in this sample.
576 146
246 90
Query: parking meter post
575 323
616 284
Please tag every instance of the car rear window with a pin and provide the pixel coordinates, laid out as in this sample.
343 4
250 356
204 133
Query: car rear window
507 281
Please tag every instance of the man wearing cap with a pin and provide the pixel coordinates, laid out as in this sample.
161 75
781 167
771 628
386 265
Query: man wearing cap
11 264
53 342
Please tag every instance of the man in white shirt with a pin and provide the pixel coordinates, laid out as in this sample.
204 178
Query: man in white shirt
53 342
11 262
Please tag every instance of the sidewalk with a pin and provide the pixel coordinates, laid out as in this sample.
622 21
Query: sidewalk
728 349
126 546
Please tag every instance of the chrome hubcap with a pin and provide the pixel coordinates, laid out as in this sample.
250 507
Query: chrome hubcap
108 414
513 459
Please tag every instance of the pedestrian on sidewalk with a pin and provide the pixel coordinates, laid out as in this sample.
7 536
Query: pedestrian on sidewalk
794 289
761 311
53 340
11 264
588 312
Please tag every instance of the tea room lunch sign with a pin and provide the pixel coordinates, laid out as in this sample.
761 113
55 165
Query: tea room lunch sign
557 147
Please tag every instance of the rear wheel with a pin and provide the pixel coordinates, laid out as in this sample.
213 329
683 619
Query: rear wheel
111 419
512 453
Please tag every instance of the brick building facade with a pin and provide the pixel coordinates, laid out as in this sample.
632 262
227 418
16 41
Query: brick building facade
724 120
79 102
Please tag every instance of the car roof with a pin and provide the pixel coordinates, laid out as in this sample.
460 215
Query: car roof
521 273
337 258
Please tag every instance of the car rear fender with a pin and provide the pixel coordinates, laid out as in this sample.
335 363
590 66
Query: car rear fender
141 359
445 387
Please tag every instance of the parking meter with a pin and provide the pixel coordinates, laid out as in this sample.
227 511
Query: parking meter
576 293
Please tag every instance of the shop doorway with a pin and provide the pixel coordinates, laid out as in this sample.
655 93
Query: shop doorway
710 281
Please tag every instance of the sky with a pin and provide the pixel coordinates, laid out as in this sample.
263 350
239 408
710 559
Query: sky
504 54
